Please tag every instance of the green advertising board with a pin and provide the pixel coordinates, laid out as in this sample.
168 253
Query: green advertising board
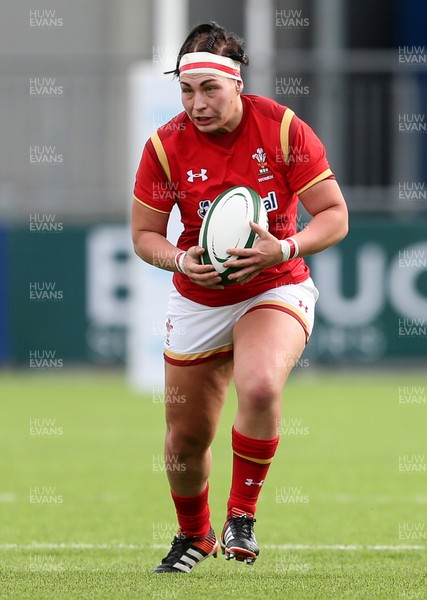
70 291
47 297
373 293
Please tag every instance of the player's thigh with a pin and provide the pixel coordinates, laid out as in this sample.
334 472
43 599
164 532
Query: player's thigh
195 395
267 344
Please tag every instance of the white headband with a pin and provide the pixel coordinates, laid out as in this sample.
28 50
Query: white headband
206 62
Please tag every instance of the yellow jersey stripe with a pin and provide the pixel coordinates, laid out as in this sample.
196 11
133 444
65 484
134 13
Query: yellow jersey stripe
288 307
284 133
161 154
320 177
197 355
165 212
261 461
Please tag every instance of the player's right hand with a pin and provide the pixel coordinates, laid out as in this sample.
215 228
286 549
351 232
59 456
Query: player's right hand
203 275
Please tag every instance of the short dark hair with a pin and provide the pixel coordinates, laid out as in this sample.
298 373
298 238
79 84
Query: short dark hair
211 37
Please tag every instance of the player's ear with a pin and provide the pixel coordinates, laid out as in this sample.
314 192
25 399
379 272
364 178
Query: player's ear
239 86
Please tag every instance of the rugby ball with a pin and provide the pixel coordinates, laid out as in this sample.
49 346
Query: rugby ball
226 225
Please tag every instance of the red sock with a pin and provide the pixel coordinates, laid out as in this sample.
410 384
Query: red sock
251 461
193 513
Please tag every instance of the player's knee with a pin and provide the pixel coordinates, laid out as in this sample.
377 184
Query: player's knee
187 443
258 393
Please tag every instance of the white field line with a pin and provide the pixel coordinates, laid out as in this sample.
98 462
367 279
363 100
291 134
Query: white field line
398 547
288 547
369 499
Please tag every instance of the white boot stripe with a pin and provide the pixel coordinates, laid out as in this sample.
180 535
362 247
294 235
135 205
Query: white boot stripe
188 560
228 536
181 567
196 554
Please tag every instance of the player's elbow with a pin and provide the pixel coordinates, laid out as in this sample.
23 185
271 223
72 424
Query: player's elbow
140 245
137 250
340 228
343 228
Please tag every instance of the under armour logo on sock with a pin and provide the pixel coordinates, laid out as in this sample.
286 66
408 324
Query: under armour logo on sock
252 482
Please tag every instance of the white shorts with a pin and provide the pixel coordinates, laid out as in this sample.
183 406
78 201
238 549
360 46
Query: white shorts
197 333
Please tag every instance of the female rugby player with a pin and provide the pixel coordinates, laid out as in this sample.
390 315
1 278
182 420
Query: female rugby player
254 329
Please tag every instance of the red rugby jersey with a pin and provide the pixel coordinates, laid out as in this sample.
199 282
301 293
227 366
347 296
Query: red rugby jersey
271 150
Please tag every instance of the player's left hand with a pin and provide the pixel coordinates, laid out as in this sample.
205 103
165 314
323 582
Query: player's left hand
266 253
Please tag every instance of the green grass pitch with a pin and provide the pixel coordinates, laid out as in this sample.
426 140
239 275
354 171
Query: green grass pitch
85 510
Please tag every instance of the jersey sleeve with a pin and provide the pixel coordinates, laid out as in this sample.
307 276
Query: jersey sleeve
306 159
152 187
